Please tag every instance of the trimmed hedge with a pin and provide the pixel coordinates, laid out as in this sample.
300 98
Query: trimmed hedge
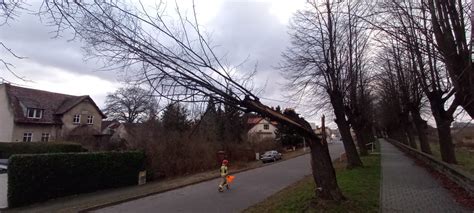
39 177
9 149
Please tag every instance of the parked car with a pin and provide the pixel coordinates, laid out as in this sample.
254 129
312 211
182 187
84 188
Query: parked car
269 156
3 165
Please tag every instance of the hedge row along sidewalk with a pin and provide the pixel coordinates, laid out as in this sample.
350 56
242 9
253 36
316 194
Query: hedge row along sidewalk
9 149
100 199
39 177
361 186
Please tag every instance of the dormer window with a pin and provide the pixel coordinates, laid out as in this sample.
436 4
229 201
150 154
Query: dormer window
34 113
76 119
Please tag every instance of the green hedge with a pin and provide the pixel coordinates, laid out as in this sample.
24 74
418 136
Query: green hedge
39 177
8 149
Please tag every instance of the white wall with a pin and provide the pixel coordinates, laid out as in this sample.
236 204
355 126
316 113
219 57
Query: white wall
6 116
258 130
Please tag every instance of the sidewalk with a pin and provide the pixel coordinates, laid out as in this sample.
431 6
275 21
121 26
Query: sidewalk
3 190
407 187
84 202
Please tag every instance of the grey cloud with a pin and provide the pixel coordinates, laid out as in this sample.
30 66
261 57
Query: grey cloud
242 29
28 37
247 29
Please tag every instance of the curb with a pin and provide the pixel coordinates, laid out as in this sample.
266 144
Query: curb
95 207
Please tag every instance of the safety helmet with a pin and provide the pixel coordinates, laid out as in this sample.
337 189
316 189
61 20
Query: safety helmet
225 162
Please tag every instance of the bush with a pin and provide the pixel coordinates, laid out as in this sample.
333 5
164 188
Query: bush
39 177
8 149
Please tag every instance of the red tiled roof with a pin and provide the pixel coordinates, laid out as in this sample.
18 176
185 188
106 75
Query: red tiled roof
254 120
52 104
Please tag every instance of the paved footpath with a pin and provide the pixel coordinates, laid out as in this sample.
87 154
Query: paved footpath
407 187
3 190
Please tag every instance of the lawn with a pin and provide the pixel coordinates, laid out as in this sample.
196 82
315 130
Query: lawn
464 157
361 186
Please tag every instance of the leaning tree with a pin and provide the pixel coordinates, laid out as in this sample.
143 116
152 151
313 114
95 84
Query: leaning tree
174 57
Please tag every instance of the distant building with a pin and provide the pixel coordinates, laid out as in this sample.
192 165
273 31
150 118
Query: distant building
30 115
260 128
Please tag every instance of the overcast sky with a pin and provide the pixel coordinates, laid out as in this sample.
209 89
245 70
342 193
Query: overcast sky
255 31
243 29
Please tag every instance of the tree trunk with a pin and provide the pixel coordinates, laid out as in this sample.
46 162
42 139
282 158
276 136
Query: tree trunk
399 135
323 171
443 123
353 159
368 134
446 145
407 129
421 127
467 100
411 136
361 142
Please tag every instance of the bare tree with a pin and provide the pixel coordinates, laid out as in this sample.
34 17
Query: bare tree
413 36
8 11
316 62
130 104
177 61
358 94
449 28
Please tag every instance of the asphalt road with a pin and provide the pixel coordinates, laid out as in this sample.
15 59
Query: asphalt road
248 188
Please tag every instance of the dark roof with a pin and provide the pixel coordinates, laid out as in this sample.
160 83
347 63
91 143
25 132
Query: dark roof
53 104
110 124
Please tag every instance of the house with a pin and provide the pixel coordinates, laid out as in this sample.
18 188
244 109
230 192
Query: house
31 115
330 135
128 135
261 128
109 127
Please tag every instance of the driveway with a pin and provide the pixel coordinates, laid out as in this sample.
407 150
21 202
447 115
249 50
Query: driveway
249 188
3 190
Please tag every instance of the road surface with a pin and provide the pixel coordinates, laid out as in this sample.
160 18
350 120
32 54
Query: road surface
249 188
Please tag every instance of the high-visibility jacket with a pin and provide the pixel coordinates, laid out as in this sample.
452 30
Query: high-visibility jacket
223 170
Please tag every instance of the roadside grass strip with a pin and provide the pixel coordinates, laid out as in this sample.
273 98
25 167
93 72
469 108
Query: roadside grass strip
463 155
361 187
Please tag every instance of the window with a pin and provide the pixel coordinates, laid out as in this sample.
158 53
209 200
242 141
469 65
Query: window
34 113
45 137
266 126
90 119
77 119
27 136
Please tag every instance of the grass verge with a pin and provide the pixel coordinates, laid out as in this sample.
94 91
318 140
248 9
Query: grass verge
464 157
361 186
